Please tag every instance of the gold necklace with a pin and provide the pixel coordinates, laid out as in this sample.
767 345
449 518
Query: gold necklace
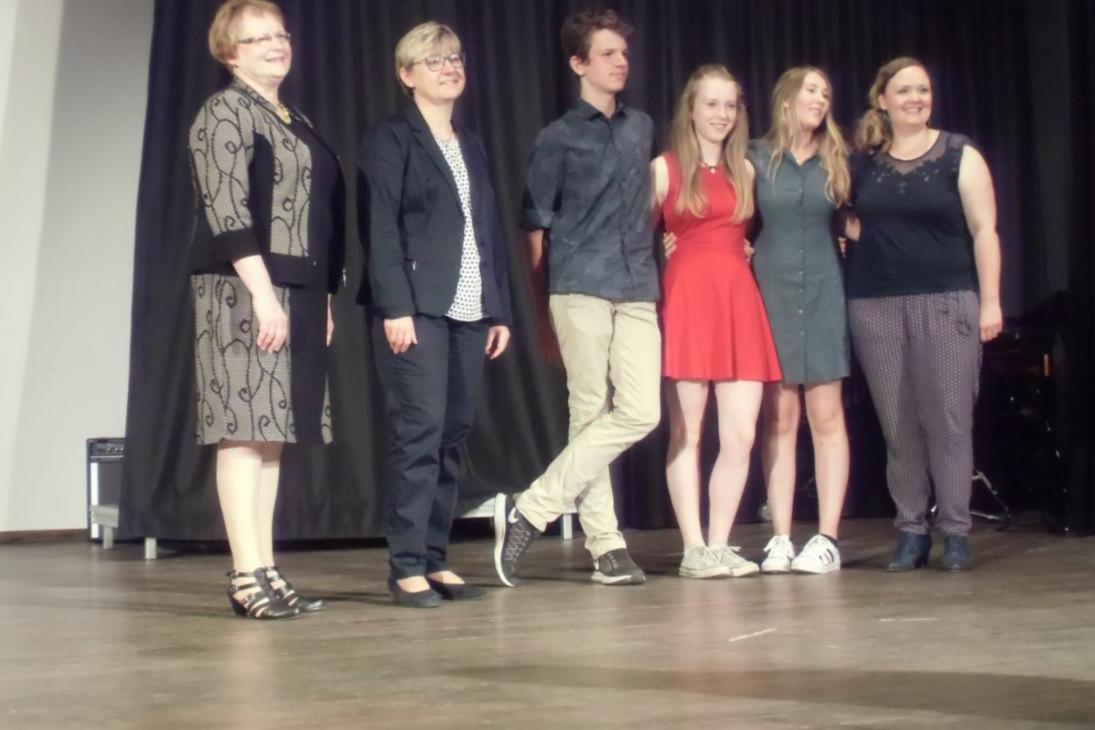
283 112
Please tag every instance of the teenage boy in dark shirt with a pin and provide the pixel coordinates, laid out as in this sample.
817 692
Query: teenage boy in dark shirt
587 202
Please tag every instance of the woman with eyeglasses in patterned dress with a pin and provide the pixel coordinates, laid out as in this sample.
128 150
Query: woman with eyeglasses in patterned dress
265 256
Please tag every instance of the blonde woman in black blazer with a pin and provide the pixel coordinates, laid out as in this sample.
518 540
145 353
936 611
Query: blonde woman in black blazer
438 295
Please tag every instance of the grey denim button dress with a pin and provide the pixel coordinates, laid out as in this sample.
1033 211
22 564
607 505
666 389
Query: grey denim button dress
798 268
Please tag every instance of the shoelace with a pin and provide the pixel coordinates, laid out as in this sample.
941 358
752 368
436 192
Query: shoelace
780 542
522 536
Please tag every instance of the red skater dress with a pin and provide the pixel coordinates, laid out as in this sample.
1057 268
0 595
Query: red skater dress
715 324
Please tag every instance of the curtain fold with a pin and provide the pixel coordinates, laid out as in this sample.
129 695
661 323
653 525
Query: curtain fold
1079 408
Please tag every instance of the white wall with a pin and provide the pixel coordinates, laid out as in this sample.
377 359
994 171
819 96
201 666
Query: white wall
73 87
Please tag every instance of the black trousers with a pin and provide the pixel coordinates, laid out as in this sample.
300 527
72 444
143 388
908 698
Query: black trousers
430 395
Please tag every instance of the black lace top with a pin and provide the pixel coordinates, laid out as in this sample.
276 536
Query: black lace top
914 237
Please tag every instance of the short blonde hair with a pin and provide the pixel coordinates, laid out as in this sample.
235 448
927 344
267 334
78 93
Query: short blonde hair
222 33
418 42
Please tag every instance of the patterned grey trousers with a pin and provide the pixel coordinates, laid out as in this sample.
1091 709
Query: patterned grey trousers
922 357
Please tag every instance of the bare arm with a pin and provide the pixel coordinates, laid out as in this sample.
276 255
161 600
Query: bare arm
330 321
536 242
979 207
850 225
752 172
659 185
534 246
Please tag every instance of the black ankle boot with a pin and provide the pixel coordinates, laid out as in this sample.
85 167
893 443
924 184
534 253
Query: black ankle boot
956 553
910 552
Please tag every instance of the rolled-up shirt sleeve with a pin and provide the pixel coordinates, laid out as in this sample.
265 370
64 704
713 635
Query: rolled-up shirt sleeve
544 182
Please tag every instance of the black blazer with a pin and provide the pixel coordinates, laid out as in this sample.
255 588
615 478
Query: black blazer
412 224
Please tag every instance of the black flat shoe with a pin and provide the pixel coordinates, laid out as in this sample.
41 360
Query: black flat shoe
286 592
910 552
457 591
956 553
251 596
413 599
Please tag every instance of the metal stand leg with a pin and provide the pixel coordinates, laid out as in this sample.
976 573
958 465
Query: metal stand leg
1004 515
568 527
108 537
150 548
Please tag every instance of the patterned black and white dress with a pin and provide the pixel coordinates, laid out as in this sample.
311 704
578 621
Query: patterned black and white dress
274 189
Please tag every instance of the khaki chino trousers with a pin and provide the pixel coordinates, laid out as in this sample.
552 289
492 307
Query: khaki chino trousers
612 354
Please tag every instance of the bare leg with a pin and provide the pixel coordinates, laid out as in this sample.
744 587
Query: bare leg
238 468
738 406
686 401
268 495
825 412
780 420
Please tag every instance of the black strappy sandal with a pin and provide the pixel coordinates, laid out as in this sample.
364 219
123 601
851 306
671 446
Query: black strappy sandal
287 593
262 604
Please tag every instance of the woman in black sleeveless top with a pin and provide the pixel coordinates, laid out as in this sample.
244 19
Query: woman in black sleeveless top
924 293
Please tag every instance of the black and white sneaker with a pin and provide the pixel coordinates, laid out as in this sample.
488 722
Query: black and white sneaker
512 536
616 568
819 556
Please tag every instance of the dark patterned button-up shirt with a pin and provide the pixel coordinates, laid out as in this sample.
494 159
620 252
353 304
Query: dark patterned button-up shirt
589 184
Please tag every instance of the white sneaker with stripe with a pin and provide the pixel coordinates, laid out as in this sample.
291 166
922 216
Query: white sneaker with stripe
818 556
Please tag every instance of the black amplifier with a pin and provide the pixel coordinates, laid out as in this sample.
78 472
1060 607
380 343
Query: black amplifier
104 483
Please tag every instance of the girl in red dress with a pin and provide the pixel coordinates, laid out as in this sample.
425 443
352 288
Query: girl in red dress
716 330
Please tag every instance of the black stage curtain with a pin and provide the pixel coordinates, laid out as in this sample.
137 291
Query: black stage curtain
997 78
1080 401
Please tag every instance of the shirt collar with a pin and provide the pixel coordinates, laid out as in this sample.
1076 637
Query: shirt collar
589 112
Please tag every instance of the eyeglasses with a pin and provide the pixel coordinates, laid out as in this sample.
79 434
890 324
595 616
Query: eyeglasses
283 37
436 63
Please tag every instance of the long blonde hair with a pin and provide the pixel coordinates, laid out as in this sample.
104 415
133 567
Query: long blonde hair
830 142
873 134
686 148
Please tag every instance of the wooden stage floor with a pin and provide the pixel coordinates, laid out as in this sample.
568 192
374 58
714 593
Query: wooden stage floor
104 639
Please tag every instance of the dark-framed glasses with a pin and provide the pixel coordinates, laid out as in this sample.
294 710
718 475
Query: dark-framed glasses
436 63
283 36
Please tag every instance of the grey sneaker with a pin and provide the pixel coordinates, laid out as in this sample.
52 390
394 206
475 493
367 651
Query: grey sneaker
778 554
616 568
700 562
737 565
512 536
